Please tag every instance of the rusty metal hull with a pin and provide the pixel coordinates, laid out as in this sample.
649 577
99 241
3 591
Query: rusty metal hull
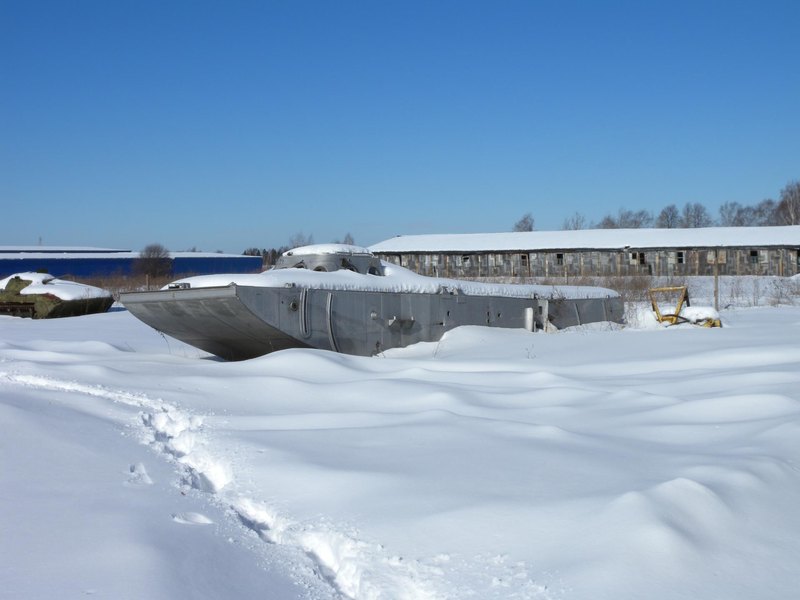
238 322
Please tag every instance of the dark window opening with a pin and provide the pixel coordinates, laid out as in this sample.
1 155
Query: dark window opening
560 258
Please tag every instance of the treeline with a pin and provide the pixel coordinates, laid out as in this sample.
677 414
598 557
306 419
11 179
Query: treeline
785 211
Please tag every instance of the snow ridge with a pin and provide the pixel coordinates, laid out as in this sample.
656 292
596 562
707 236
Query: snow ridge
357 569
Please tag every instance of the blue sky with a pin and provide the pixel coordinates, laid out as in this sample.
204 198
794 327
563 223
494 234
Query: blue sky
226 125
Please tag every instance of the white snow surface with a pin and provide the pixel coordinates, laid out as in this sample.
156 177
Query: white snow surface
696 314
395 279
42 283
607 239
593 463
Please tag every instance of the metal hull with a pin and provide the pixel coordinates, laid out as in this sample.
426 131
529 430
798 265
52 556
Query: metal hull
239 322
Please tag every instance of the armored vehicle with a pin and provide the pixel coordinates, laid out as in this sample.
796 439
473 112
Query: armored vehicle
42 296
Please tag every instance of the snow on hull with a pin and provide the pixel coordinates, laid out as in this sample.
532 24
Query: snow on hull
395 279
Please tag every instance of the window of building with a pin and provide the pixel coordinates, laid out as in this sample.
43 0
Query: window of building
680 256
637 258
560 258
753 257
465 258
523 260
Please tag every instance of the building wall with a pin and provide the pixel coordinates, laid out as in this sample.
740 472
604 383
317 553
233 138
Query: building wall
115 266
580 263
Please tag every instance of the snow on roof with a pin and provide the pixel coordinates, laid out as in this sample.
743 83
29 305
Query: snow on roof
57 250
596 239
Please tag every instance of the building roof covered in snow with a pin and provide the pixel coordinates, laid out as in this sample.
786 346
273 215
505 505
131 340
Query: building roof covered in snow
596 239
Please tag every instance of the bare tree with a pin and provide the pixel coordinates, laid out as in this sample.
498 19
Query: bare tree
788 212
766 213
607 222
154 260
576 221
626 219
695 214
300 239
526 223
730 214
348 239
629 219
733 214
669 217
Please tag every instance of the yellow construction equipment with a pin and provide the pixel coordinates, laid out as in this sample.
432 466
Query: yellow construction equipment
708 318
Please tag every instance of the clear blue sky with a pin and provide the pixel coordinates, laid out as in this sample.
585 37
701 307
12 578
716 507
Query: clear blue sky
226 125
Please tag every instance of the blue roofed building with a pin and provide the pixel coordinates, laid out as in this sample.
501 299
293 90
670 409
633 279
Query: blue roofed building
83 263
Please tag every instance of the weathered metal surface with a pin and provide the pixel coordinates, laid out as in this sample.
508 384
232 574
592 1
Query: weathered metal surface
238 322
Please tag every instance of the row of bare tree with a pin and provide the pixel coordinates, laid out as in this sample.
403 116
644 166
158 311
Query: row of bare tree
785 211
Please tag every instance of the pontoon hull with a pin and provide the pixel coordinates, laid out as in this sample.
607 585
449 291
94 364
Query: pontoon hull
240 322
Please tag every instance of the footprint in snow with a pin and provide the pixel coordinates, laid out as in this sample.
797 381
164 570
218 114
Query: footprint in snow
137 476
191 518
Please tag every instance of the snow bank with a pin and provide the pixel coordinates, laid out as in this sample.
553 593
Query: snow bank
698 314
496 464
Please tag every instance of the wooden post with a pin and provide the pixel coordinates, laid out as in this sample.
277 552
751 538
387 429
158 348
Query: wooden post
716 278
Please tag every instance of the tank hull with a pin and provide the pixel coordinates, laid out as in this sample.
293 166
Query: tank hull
238 322
47 304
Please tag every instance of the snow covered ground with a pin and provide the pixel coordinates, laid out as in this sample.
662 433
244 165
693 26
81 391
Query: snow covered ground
595 463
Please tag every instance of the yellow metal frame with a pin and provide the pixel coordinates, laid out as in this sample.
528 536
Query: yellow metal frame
683 298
